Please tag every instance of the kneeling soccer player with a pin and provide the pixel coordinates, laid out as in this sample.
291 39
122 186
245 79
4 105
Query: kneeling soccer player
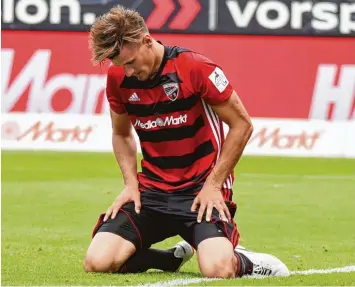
176 100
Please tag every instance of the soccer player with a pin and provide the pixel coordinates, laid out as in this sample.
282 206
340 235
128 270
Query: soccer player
176 100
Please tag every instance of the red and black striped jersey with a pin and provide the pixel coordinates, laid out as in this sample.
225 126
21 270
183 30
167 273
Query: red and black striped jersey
180 135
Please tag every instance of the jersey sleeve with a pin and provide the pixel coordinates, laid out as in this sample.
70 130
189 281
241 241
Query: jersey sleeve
113 92
209 80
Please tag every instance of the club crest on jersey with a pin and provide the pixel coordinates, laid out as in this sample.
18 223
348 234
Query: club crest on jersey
171 90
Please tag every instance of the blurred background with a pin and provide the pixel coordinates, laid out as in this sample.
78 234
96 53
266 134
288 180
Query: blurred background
289 60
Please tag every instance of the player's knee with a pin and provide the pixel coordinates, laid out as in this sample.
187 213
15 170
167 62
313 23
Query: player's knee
99 263
218 268
110 258
216 262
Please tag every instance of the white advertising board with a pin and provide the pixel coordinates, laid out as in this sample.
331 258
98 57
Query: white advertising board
299 138
56 132
277 137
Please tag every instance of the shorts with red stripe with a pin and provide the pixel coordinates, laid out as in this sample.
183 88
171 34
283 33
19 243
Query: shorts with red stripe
164 215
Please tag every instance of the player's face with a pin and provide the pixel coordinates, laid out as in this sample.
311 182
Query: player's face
137 59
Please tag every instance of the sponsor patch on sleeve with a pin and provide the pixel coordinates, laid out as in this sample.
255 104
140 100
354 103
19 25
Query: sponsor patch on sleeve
218 78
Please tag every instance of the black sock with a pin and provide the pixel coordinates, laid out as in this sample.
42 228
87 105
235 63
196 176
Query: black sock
245 265
145 259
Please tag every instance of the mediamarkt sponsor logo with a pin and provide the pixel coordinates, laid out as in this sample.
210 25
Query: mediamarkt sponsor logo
159 122
45 131
275 138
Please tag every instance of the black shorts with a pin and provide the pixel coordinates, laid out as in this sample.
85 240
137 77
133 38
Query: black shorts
164 215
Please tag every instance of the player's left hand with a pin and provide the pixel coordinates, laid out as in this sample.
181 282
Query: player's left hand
210 197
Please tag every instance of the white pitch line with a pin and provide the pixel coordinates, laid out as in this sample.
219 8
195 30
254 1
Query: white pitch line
297 176
345 269
182 282
178 282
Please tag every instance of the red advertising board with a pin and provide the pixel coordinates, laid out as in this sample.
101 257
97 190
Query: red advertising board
275 76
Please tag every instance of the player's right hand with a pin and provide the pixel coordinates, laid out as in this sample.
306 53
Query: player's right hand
128 194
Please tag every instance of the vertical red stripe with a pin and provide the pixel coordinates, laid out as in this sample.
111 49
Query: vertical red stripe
214 127
352 109
98 224
233 234
330 111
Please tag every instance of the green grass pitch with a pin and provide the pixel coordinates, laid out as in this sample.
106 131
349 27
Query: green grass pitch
301 210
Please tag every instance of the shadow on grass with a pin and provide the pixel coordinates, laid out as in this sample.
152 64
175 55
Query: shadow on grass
151 274
174 274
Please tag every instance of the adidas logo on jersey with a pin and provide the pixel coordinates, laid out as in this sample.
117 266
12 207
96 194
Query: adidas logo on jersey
134 98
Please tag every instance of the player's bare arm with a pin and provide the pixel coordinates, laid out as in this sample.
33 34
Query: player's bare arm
125 150
233 113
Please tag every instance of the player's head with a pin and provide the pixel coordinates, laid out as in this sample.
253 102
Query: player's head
122 36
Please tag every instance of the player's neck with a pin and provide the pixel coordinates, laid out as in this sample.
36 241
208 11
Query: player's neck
159 54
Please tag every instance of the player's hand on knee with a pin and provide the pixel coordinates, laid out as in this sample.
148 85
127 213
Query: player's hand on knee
206 200
127 195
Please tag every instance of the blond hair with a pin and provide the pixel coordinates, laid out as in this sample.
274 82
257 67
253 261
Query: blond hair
114 29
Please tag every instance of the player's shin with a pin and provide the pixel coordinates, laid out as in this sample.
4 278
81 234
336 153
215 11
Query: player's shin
146 259
170 260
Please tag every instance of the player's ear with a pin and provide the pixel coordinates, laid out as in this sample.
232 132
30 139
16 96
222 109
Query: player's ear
147 40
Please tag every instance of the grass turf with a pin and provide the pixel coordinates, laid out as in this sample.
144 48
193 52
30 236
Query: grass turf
299 209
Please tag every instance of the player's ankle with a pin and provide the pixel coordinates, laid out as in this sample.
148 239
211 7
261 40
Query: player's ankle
244 265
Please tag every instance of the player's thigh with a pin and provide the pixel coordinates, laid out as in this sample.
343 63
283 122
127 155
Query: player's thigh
115 240
195 233
216 257
216 228
143 229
